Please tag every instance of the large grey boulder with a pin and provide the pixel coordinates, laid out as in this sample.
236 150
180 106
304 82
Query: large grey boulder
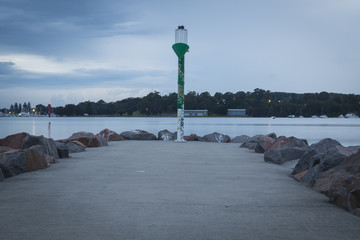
325 161
47 144
72 147
138 135
19 161
15 141
88 139
263 141
320 157
308 160
253 141
240 139
110 135
166 135
25 140
342 184
12 163
285 149
264 144
215 137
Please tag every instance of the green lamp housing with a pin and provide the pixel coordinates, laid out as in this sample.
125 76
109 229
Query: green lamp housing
180 49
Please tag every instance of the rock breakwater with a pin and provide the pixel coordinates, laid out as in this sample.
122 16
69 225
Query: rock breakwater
326 166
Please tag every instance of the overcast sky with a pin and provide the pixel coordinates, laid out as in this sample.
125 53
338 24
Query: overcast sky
70 51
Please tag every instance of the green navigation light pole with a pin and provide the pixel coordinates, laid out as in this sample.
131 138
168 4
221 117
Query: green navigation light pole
180 48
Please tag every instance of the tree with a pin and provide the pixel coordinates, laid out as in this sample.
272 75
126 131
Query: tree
256 103
16 108
151 104
229 100
323 96
25 107
221 109
219 98
169 103
59 111
69 110
41 109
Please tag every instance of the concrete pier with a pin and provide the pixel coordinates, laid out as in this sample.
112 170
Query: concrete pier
166 190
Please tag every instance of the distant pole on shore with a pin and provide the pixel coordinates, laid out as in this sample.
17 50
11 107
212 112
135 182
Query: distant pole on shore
180 48
49 111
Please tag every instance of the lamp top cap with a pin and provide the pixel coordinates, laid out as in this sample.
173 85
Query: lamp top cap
181 27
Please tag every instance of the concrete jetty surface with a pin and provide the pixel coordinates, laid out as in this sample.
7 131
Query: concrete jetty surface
166 190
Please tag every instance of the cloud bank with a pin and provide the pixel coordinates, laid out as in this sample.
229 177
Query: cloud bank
62 52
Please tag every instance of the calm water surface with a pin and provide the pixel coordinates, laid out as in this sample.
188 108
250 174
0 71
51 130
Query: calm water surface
346 131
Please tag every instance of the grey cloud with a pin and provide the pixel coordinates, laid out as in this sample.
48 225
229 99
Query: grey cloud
301 46
10 77
43 26
6 68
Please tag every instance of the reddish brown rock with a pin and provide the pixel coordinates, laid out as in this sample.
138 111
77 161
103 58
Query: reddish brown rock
110 135
264 144
259 143
285 149
191 137
25 140
15 141
289 142
88 139
300 176
35 159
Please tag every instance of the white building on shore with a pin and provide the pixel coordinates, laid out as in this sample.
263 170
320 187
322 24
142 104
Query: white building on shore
236 112
196 113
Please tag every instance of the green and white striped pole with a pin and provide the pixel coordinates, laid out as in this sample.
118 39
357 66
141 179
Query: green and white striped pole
180 48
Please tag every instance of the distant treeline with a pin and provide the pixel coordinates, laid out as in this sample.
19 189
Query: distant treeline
259 103
18 108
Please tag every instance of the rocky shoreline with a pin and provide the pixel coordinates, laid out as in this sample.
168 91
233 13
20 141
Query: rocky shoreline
326 166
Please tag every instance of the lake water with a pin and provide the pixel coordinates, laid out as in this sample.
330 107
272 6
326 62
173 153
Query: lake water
346 131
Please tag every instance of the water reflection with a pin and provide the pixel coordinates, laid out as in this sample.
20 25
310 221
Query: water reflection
269 127
33 127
